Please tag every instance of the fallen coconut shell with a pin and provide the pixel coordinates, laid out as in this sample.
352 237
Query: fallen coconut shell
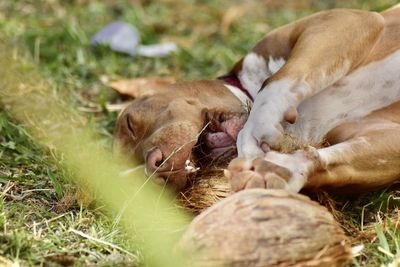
260 227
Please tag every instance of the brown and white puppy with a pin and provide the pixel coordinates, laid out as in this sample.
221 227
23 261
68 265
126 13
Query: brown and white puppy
162 128
332 79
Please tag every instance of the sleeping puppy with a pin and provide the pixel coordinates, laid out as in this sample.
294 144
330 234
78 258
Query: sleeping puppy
330 79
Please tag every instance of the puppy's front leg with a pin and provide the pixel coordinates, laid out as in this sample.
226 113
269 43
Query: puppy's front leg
277 102
325 50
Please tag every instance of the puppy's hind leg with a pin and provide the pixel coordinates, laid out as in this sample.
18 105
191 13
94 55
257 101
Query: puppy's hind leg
367 161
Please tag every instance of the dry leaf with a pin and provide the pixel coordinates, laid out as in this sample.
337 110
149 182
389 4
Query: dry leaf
140 86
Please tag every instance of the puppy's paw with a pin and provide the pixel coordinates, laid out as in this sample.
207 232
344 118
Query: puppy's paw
258 173
254 141
273 171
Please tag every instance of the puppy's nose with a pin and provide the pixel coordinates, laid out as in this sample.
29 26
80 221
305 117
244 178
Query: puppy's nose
154 159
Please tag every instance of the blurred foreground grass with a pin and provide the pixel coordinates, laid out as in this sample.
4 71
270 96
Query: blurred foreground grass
38 201
142 210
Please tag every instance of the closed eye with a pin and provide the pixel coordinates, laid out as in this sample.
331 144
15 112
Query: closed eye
130 125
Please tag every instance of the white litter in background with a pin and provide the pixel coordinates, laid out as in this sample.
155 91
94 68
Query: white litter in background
120 36
125 38
157 50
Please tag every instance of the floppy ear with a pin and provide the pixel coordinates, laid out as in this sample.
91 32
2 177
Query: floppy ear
141 86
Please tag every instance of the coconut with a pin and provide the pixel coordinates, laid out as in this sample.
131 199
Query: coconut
259 227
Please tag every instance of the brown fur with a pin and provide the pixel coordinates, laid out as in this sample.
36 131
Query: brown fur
369 151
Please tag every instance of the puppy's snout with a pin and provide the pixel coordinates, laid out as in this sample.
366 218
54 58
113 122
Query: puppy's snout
154 160
164 170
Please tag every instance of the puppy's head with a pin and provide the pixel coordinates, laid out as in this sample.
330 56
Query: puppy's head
170 129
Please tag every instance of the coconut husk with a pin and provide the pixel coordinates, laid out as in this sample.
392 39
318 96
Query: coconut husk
259 227
209 186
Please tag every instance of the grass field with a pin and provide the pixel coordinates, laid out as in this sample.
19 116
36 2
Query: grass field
42 218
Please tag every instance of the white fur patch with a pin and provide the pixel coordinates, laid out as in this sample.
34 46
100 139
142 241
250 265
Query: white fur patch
369 88
239 94
275 64
255 71
267 112
276 97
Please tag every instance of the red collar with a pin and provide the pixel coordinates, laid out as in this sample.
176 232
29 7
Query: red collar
233 80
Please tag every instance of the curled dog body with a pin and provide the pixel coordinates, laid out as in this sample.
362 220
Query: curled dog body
330 79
